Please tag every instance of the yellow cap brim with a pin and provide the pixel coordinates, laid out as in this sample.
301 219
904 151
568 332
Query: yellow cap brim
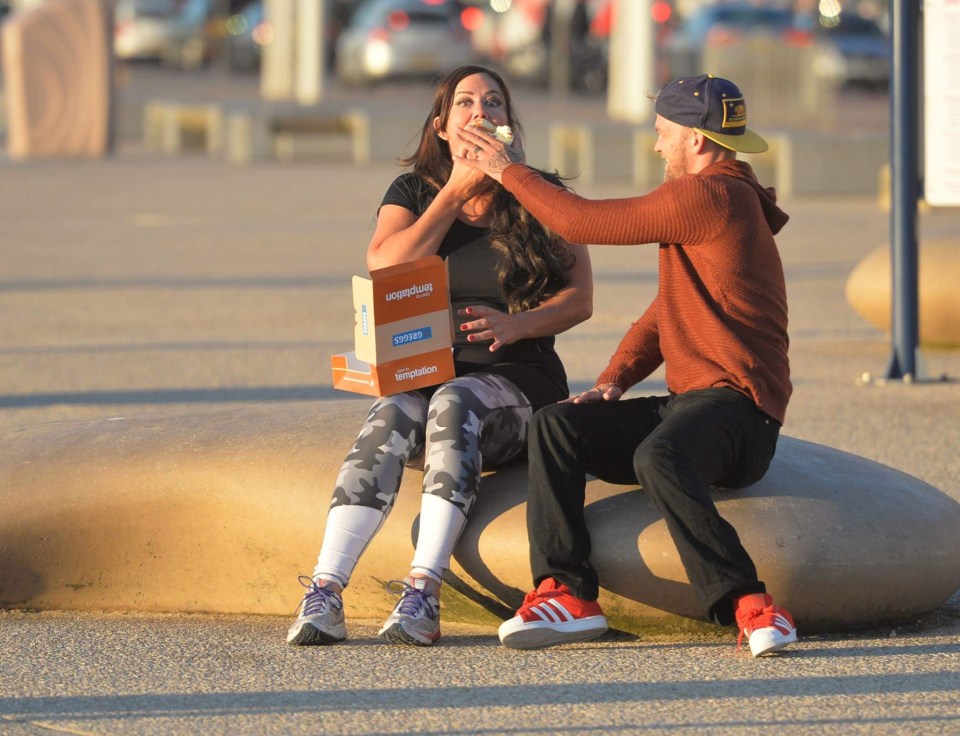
747 142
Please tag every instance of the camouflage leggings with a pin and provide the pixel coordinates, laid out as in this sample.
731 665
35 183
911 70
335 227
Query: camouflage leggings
477 417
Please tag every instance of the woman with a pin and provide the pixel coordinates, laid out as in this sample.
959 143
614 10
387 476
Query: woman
513 286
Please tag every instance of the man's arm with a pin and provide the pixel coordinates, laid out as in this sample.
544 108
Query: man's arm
638 354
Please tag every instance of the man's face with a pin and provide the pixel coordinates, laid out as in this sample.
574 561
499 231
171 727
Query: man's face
673 145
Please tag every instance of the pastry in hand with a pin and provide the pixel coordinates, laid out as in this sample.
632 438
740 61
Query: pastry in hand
501 132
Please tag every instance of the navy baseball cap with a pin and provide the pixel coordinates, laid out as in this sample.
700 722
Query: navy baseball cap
714 107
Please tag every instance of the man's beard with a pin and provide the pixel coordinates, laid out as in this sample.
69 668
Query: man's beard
677 165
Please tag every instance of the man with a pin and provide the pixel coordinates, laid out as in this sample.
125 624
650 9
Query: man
718 324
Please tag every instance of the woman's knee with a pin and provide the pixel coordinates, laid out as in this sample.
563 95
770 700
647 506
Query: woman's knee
399 410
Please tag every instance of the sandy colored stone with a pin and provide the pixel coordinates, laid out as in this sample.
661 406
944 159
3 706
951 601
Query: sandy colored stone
220 510
869 287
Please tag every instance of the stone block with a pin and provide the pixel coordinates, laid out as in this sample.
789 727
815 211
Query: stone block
869 289
56 65
174 128
220 510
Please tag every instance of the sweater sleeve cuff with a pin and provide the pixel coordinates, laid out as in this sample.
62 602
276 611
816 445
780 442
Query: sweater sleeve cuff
514 175
615 377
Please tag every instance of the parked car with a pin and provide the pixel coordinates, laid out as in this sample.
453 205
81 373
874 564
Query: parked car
249 31
196 34
402 38
725 25
247 34
142 27
857 51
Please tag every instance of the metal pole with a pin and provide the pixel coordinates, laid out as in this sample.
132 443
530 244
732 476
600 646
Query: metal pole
904 190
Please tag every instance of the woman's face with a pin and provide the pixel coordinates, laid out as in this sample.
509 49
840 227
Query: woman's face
475 97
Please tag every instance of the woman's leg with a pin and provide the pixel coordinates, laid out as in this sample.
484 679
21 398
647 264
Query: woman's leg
472 419
363 496
369 479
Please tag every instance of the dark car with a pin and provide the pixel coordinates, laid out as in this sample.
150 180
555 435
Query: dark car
714 26
195 35
247 34
249 31
856 51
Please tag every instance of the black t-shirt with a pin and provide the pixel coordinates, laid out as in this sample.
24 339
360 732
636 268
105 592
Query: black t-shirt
532 364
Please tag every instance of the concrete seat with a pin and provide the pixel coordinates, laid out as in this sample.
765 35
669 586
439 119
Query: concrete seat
173 127
220 510
868 291
286 134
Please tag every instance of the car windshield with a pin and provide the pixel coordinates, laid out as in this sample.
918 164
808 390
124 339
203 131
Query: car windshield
376 12
854 24
147 9
747 18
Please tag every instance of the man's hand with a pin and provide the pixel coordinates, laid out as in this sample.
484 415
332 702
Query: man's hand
485 153
603 392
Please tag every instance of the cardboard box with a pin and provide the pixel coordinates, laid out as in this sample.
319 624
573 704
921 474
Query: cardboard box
403 335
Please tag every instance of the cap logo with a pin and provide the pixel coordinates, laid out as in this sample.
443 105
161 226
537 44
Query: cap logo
734 113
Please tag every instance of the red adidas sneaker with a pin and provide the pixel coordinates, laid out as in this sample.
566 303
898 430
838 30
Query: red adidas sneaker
551 615
767 627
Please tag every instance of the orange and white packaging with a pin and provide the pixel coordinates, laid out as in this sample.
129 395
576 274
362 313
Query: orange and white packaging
403 336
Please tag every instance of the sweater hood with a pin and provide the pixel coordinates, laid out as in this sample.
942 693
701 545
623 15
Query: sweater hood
776 218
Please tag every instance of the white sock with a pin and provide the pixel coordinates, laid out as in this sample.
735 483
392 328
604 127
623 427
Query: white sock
348 532
440 526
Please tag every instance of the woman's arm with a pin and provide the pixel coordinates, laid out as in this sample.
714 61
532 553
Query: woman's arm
401 236
568 307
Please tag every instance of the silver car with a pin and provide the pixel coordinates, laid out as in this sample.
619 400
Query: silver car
141 28
402 38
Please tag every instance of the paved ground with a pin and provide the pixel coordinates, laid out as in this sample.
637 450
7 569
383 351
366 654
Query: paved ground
143 284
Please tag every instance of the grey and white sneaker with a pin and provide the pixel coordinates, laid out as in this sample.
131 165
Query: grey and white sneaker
416 619
321 616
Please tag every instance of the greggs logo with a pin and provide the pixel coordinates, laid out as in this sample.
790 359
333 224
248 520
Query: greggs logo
409 375
417 290
734 113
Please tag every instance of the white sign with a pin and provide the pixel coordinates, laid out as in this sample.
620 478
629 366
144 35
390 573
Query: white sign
941 68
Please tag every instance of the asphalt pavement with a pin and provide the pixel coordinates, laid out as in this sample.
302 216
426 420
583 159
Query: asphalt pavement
143 284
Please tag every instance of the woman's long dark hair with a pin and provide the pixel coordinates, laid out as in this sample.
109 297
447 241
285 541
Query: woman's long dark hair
532 261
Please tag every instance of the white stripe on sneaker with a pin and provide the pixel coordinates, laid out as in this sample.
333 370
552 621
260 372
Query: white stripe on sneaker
782 624
546 613
564 614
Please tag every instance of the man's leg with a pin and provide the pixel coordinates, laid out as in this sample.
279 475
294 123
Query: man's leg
568 441
709 437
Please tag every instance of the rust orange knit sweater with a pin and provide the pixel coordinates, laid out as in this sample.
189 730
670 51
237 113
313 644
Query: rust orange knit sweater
720 314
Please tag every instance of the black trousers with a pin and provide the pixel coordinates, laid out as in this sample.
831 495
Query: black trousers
675 447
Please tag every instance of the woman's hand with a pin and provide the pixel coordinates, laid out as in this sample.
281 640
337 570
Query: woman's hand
482 151
491 324
465 182
603 392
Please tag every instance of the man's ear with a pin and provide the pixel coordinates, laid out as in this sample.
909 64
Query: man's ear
436 127
697 141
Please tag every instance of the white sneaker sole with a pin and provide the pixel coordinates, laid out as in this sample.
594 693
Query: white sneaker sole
309 631
519 634
396 633
770 640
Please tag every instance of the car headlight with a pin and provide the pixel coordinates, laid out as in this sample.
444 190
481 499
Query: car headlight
377 57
